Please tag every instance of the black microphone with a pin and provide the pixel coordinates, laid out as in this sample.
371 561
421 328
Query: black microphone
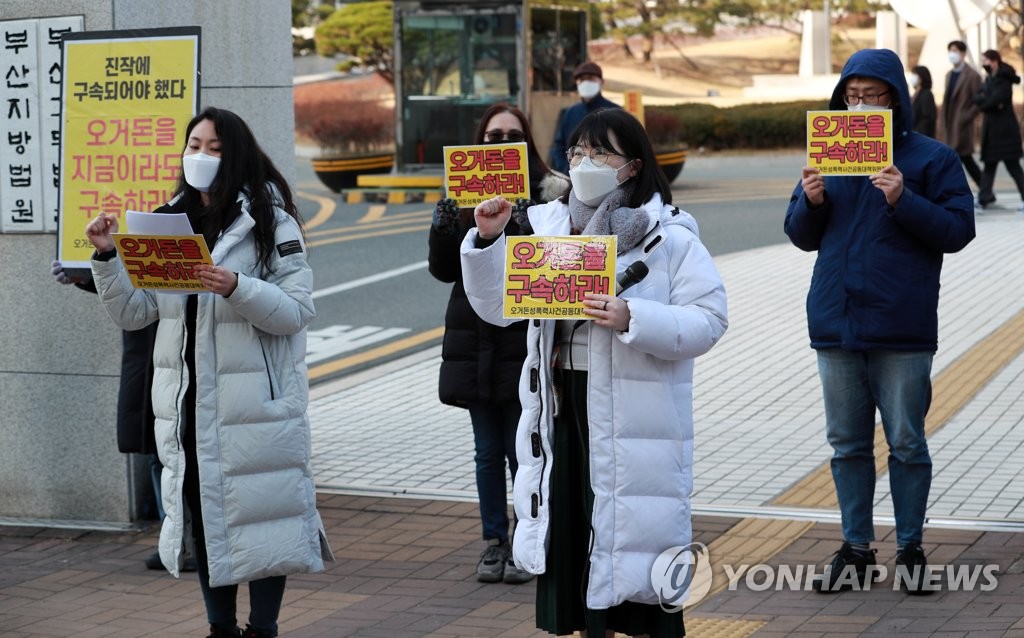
631 276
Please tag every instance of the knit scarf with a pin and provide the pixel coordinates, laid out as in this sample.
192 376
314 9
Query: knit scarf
610 217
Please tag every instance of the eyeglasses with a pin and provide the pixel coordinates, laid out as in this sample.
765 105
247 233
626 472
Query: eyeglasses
497 135
869 99
598 155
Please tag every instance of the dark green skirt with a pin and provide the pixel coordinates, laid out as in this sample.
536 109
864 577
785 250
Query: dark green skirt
562 589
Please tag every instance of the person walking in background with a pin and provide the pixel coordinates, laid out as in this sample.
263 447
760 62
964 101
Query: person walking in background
589 79
481 362
959 111
875 332
230 384
1000 132
925 114
606 434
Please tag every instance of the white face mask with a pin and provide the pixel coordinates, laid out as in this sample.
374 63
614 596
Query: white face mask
914 81
591 183
588 88
954 58
866 107
200 170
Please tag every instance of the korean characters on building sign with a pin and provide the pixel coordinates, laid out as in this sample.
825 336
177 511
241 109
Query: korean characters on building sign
473 174
128 97
30 127
547 277
163 262
849 142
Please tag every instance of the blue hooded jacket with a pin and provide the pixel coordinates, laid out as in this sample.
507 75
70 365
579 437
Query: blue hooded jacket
876 279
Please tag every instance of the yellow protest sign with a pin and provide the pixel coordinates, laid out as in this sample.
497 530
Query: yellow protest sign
546 277
849 142
127 98
163 262
473 174
633 103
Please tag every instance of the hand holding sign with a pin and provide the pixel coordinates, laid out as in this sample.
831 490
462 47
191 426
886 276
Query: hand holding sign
890 182
98 232
217 279
491 216
813 184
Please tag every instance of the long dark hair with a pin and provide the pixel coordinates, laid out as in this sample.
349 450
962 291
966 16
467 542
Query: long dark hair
244 168
538 168
924 75
634 144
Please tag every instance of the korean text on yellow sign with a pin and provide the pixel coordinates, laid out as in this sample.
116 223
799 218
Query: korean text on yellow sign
849 142
547 277
163 262
126 103
473 174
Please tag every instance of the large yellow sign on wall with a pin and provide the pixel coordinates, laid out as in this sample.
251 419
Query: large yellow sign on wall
127 98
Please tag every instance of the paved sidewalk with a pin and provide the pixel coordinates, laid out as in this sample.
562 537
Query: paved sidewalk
396 477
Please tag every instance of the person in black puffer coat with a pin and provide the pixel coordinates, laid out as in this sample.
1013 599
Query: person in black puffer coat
481 362
1000 132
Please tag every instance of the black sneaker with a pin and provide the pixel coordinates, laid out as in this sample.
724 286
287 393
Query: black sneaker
910 570
491 567
153 561
849 570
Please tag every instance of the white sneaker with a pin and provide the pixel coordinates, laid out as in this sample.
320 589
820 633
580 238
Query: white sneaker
1020 209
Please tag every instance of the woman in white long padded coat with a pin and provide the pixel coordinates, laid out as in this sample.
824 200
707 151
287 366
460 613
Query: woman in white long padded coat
604 484
230 384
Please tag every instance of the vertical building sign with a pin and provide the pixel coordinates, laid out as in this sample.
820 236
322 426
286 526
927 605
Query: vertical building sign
20 176
50 75
127 97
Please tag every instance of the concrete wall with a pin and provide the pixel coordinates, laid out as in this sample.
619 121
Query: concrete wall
59 352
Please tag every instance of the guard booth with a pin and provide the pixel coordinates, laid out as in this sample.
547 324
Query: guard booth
454 59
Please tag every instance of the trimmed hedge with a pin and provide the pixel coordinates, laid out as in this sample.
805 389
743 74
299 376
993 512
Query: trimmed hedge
768 125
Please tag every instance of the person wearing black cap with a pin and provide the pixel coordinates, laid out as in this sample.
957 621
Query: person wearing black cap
589 80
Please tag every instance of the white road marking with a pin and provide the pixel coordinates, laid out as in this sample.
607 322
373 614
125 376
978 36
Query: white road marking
355 283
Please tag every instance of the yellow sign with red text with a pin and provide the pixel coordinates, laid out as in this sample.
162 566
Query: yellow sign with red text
163 262
633 103
547 277
849 142
473 174
127 97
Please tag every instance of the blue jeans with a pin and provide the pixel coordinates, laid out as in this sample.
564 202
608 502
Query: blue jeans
494 437
899 385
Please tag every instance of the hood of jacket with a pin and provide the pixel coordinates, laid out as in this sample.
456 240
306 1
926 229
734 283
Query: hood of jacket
884 65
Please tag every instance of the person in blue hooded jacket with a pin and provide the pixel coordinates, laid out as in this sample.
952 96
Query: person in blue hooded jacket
872 312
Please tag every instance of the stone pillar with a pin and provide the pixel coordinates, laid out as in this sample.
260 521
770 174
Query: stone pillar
59 352
815 44
891 33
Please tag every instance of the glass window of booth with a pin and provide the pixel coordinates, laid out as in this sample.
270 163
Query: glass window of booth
452 68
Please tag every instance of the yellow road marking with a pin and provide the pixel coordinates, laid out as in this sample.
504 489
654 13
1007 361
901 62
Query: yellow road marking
381 233
375 353
374 213
327 207
390 220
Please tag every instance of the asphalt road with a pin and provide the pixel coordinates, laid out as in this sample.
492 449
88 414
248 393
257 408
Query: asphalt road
376 301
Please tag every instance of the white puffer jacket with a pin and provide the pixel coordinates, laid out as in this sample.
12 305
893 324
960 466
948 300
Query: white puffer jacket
252 431
639 401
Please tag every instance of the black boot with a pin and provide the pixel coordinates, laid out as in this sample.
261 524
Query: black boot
222 632
252 632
